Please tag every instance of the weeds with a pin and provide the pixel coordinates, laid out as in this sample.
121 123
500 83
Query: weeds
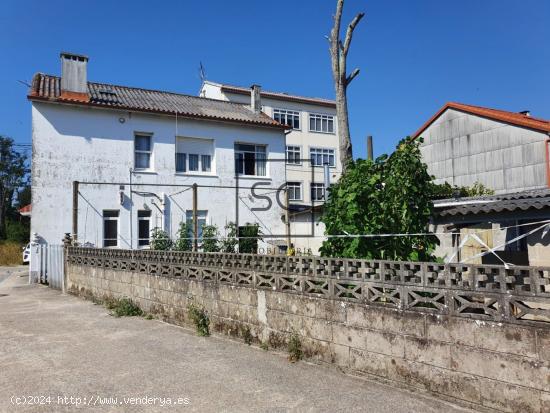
264 346
199 317
247 335
294 348
123 307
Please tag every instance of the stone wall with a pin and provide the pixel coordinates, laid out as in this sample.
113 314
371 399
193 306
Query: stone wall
464 356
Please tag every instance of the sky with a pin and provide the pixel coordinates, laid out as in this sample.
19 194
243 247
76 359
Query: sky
413 55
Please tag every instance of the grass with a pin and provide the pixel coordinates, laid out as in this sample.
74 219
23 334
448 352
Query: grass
11 253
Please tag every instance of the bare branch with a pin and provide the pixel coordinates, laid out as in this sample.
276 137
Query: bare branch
352 76
349 32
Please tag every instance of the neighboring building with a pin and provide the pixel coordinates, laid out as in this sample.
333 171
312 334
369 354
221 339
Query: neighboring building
135 153
313 136
497 220
505 151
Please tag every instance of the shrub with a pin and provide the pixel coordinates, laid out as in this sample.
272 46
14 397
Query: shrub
160 240
210 241
199 317
183 242
249 234
230 240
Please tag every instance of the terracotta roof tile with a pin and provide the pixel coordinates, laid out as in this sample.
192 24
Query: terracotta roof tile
47 88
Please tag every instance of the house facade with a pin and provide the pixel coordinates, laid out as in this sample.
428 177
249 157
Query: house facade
505 151
311 142
137 153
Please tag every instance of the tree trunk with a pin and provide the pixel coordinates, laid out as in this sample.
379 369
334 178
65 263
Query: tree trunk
338 53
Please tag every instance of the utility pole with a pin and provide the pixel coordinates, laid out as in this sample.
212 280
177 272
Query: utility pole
287 220
75 211
195 222
369 148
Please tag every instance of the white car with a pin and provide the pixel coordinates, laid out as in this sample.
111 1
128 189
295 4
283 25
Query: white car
27 254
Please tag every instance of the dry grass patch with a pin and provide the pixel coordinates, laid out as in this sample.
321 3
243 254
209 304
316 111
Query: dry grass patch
11 253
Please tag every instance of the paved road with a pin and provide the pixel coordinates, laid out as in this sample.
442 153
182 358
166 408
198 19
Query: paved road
59 345
5 272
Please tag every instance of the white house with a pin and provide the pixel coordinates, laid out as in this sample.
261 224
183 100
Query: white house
311 142
135 154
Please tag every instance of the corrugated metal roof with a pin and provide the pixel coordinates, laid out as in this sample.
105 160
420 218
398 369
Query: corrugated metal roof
518 201
280 96
47 88
513 118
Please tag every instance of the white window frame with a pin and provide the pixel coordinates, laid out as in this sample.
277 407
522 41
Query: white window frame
256 152
149 152
299 186
331 151
285 114
315 186
103 219
200 170
145 218
322 117
299 161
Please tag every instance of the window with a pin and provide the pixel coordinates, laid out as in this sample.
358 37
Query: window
181 162
194 155
322 156
193 162
321 123
317 192
205 163
293 155
142 152
250 159
110 229
294 191
144 227
201 221
287 117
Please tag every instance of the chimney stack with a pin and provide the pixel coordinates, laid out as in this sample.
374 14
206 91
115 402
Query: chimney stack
74 78
255 98
369 148
526 112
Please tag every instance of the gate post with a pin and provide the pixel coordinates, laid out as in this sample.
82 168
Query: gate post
35 260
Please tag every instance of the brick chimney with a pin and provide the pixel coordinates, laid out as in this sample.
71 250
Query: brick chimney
255 98
74 77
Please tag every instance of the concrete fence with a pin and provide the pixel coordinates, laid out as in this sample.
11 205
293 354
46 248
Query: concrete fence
475 333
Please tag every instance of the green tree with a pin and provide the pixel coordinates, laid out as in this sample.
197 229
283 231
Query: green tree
390 195
183 241
249 234
230 241
13 171
160 240
210 241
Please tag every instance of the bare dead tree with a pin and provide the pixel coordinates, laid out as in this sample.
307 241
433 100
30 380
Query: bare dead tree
339 53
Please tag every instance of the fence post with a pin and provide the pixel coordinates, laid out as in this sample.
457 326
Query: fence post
34 264
67 241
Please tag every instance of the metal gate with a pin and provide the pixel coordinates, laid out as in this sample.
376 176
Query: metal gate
47 265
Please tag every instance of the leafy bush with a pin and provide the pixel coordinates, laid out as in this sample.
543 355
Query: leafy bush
160 240
18 231
199 317
441 191
230 241
183 242
249 234
390 195
210 241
